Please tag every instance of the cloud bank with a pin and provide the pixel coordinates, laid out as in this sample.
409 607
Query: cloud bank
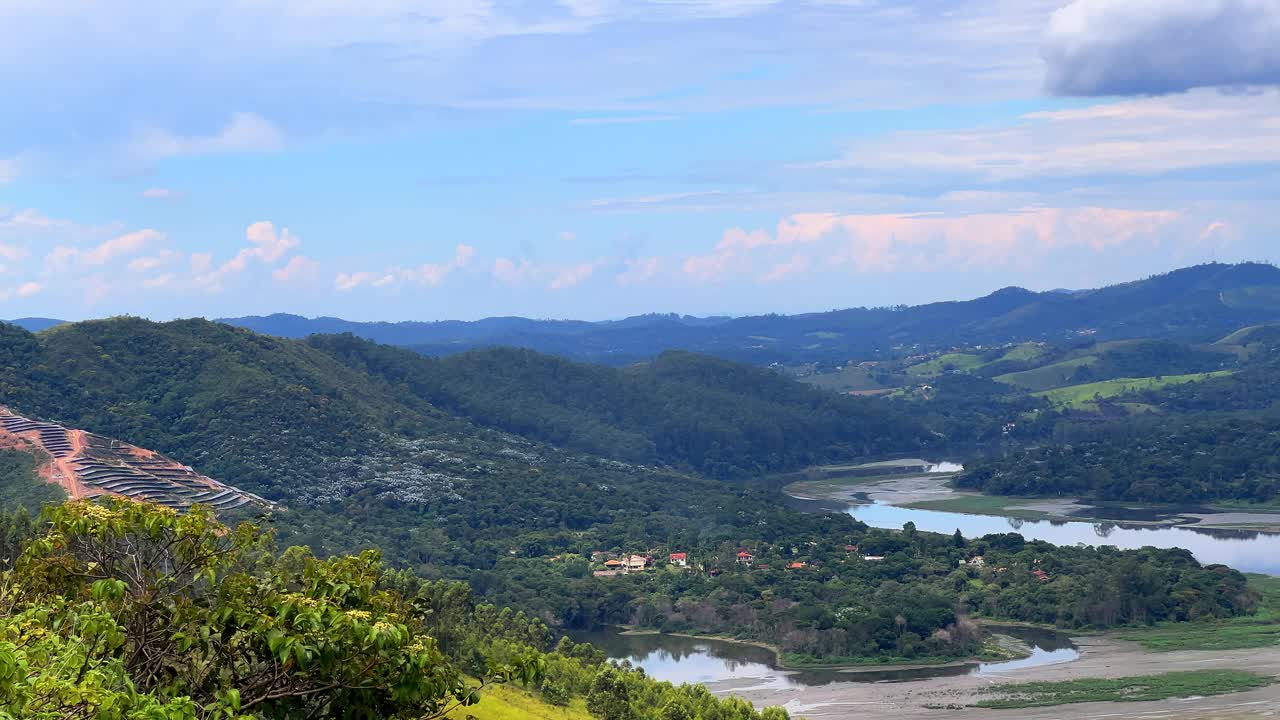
1155 47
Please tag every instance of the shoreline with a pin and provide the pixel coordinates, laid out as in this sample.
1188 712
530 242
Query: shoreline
926 491
1101 657
868 667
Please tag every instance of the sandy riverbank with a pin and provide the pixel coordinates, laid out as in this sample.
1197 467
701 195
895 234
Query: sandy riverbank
1100 657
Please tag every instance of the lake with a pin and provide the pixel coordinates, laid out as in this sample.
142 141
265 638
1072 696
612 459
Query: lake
1243 550
679 659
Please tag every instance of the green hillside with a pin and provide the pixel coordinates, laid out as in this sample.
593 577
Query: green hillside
1077 395
713 416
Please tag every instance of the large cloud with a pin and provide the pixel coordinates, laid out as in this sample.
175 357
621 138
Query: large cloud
1151 47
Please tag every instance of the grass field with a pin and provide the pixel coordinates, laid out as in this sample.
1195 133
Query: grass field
850 378
1079 395
1048 376
951 361
1193 683
1259 630
980 505
1022 353
507 703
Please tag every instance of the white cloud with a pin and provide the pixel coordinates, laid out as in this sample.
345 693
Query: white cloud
427 274
813 242
159 193
244 132
351 281
149 263
572 275
266 246
640 270
553 276
25 290
299 269
127 244
1139 136
1145 47
64 258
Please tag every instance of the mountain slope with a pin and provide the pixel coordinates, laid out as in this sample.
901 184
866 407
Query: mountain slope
716 417
1201 303
290 419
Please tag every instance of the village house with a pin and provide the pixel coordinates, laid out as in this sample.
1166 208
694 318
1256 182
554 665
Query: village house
873 558
679 559
1041 575
745 558
975 561
798 565
635 563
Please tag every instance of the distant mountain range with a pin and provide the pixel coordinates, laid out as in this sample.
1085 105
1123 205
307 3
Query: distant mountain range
36 324
1200 303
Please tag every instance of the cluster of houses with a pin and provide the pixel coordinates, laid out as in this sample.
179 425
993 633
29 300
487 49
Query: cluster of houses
609 564
978 561
625 564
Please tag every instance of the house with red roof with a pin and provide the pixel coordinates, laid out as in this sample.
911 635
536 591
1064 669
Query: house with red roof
679 559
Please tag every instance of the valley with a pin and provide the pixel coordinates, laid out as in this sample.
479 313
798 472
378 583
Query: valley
1114 491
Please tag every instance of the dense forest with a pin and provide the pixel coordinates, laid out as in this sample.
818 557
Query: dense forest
1214 440
130 611
1157 459
718 418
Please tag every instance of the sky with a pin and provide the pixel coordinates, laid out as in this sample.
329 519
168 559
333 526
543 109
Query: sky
396 160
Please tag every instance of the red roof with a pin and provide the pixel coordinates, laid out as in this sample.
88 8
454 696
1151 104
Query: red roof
795 566
679 556
744 554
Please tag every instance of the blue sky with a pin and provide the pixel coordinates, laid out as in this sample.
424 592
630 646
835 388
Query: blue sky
600 158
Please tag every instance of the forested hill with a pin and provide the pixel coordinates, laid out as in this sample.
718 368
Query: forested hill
272 412
716 417
1199 304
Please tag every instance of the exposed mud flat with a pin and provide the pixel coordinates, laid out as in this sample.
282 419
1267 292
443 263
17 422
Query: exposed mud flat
1100 657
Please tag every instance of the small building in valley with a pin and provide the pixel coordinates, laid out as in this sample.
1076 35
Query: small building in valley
679 559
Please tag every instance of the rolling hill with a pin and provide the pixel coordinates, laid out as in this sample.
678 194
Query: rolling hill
292 419
1200 304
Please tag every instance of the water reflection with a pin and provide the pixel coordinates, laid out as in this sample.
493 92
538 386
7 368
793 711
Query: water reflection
688 660
1249 551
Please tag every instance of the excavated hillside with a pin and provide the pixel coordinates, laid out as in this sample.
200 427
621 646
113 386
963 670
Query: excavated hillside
87 465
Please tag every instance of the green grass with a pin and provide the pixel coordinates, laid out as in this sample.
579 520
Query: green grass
951 361
1023 353
1193 683
1048 376
1079 395
509 703
850 378
1261 629
979 505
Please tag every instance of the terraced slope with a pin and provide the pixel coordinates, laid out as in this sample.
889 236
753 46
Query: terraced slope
87 465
